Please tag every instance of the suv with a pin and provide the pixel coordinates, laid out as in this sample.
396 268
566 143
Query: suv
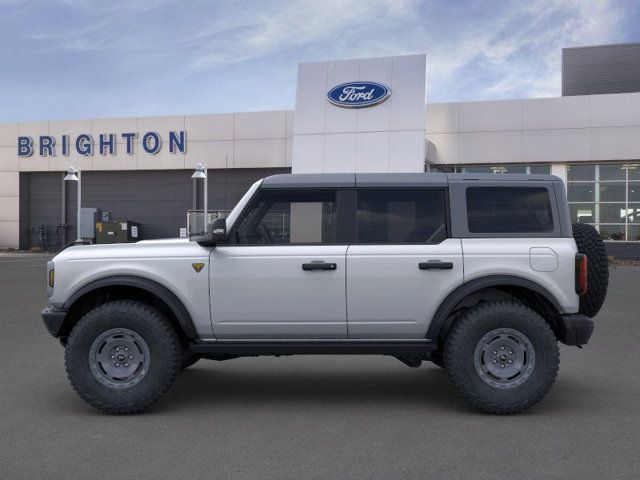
480 274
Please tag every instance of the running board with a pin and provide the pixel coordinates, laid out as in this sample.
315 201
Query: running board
250 348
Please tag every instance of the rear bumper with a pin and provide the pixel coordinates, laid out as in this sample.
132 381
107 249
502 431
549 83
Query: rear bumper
53 319
575 329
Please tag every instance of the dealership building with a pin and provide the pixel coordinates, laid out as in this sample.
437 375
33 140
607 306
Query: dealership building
363 115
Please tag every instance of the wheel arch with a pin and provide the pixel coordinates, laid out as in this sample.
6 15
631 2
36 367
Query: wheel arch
523 289
128 286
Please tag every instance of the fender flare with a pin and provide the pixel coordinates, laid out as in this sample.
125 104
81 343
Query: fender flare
439 321
163 293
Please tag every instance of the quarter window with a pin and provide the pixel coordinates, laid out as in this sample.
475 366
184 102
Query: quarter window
509 210
401 216
283 217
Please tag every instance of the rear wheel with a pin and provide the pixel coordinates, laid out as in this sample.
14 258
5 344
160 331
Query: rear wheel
501 356
122 356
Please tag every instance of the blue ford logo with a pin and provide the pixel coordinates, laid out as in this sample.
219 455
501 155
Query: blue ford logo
358 94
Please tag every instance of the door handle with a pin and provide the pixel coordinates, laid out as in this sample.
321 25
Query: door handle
435 265
319 266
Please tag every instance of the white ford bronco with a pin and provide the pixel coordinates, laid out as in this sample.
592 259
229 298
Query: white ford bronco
480 274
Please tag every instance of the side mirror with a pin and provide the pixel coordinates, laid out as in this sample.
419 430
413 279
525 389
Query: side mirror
217 231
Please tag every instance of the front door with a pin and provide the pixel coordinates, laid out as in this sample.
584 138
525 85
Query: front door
402 263
282 273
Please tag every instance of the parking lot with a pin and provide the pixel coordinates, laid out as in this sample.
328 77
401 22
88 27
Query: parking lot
316 417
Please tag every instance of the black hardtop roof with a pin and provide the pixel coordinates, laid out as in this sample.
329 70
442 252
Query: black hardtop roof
345 180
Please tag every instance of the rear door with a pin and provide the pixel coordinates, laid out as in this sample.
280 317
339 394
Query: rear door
402 262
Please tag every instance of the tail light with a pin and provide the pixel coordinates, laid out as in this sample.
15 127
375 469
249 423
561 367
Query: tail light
581 274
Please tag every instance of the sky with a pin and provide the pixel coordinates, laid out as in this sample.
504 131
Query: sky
67 59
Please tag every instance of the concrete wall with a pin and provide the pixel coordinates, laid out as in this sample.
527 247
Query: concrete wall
9 186
549 130
233 140
388 137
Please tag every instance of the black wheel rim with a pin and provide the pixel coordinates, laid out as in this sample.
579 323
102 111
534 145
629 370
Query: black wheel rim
504 358
119 358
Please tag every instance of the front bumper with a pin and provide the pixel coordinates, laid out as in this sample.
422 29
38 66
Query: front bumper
575 329
53 319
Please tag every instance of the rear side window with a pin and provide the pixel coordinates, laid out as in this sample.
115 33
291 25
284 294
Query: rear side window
401 216
509 210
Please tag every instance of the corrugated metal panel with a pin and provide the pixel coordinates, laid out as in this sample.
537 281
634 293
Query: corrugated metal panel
601 69
157 199
44 200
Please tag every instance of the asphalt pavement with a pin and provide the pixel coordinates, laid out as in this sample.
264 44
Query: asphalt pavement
316 417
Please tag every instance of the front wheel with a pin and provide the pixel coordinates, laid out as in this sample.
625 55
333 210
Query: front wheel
502 357
122 356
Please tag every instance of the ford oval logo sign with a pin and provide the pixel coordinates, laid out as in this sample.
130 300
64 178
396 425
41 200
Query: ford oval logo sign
358 94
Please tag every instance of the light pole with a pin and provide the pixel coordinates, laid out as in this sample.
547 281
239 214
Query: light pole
201 172
73 175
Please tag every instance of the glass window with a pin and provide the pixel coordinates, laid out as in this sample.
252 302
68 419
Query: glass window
512 169
509 210
581 192
633 213
634 192
287 217
633 233
401 216
613 171
612 232
581 173
540 169
612 192
612 212
582 212
634 171
477 169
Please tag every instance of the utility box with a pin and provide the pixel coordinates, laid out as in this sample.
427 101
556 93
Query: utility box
88 219
118 231
129 231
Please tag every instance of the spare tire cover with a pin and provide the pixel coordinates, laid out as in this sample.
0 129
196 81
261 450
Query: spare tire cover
589 243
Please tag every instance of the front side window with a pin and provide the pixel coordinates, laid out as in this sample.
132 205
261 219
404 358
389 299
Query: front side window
282 217
509 210
401 216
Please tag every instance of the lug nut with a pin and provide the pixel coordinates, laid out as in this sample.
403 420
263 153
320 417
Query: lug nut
495 352
495 361
117 364
130 356
510 361
126 364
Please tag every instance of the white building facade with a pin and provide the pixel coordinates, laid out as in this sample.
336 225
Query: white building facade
365 115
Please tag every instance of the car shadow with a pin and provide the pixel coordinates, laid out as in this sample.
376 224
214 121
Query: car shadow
207 387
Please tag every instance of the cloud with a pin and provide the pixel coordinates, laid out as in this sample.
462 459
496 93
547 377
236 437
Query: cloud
169 56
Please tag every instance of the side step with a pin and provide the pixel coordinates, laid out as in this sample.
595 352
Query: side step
252 348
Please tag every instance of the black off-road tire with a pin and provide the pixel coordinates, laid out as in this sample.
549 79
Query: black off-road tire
188 359
437 358
589 242
162 347
469 331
